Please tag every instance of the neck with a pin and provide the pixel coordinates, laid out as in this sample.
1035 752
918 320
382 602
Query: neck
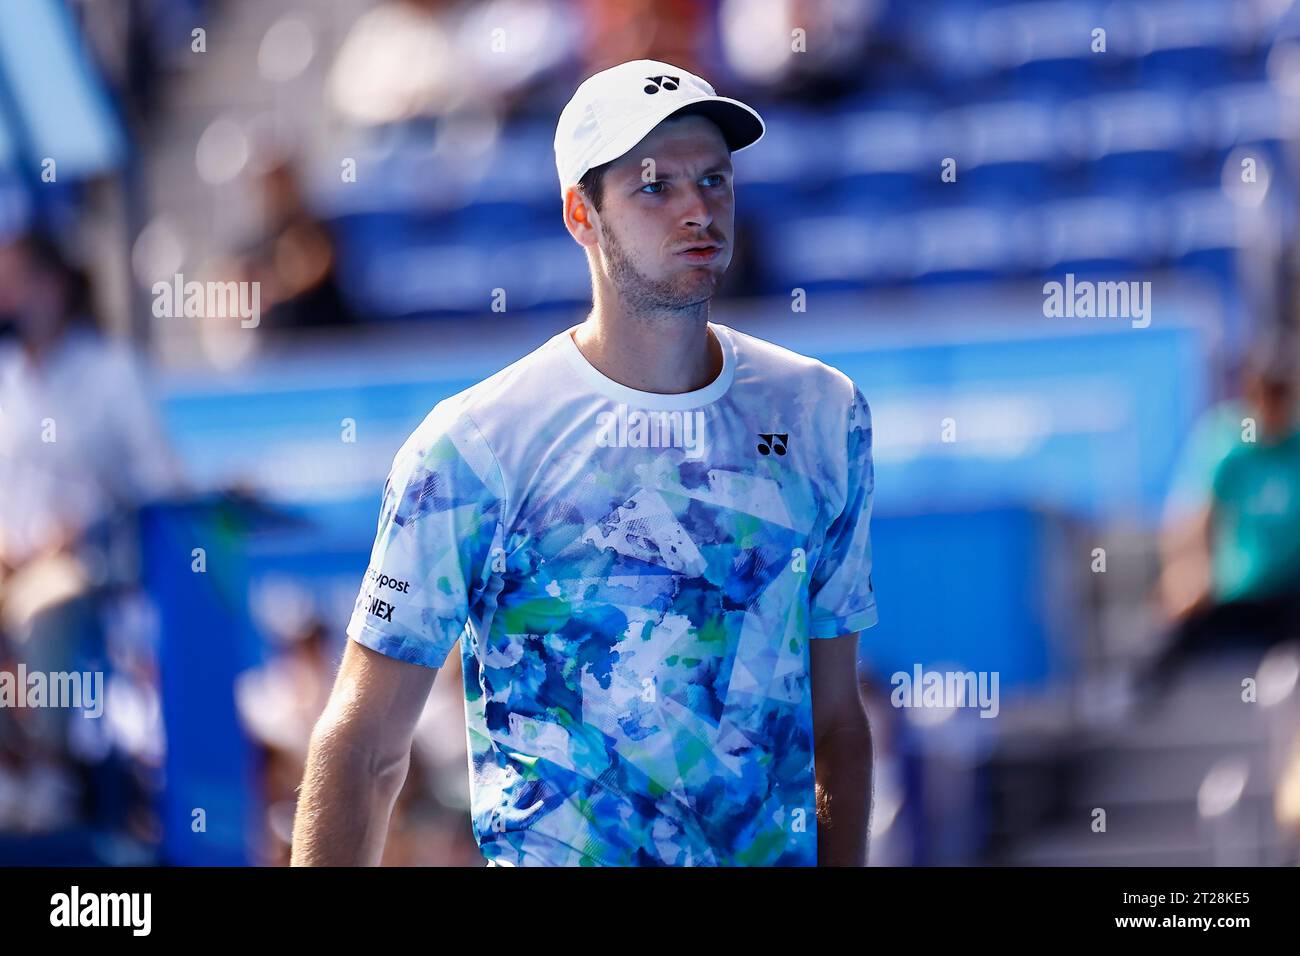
667 352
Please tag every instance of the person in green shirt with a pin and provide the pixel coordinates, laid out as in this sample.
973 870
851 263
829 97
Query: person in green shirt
1231 547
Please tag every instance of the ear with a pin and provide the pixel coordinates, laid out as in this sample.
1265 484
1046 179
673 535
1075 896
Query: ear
581 218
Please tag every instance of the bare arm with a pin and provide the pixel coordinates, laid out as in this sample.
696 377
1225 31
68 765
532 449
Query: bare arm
356 765
842 753
1185 549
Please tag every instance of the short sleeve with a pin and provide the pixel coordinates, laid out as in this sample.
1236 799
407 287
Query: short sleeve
439 522
842 599
1195 482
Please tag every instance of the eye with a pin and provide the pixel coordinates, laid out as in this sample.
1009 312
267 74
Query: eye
653 188
714 179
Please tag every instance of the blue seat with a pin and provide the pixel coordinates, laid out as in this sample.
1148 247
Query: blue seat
1095 232
799 147
978 241
1185 40
1005 149
886 152
521 168
1136 136
820 243
1225 116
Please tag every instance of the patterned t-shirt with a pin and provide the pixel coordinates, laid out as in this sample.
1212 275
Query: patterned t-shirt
635 578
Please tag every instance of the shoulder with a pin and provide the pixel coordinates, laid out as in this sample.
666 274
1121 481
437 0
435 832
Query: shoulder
468 426
822 393
446 440
763 356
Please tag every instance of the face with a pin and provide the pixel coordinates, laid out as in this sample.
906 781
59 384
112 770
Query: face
30 297
1274 402
664 228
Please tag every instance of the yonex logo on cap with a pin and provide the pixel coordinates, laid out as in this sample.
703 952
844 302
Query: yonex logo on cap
606 117
666 82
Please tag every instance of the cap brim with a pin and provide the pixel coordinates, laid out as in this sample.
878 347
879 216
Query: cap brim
741 126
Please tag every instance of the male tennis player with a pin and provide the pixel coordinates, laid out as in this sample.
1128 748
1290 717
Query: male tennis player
650 536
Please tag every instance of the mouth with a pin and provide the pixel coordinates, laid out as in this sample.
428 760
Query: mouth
701 252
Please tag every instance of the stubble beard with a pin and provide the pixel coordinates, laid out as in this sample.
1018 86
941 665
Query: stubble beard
640 294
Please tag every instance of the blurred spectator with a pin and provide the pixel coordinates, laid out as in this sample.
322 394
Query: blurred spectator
279 703
1231 550
431 823
812 49
80 448
669 30
408 59
294 261
1286 800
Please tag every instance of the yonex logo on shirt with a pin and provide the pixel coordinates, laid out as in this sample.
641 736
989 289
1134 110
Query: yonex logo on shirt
654 429
773 442
381 609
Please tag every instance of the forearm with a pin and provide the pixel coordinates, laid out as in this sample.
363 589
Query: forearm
345 801
843 761
1186 575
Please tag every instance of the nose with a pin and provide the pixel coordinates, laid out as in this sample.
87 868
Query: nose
695 212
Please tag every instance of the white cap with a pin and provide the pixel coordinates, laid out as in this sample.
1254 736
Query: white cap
617 108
